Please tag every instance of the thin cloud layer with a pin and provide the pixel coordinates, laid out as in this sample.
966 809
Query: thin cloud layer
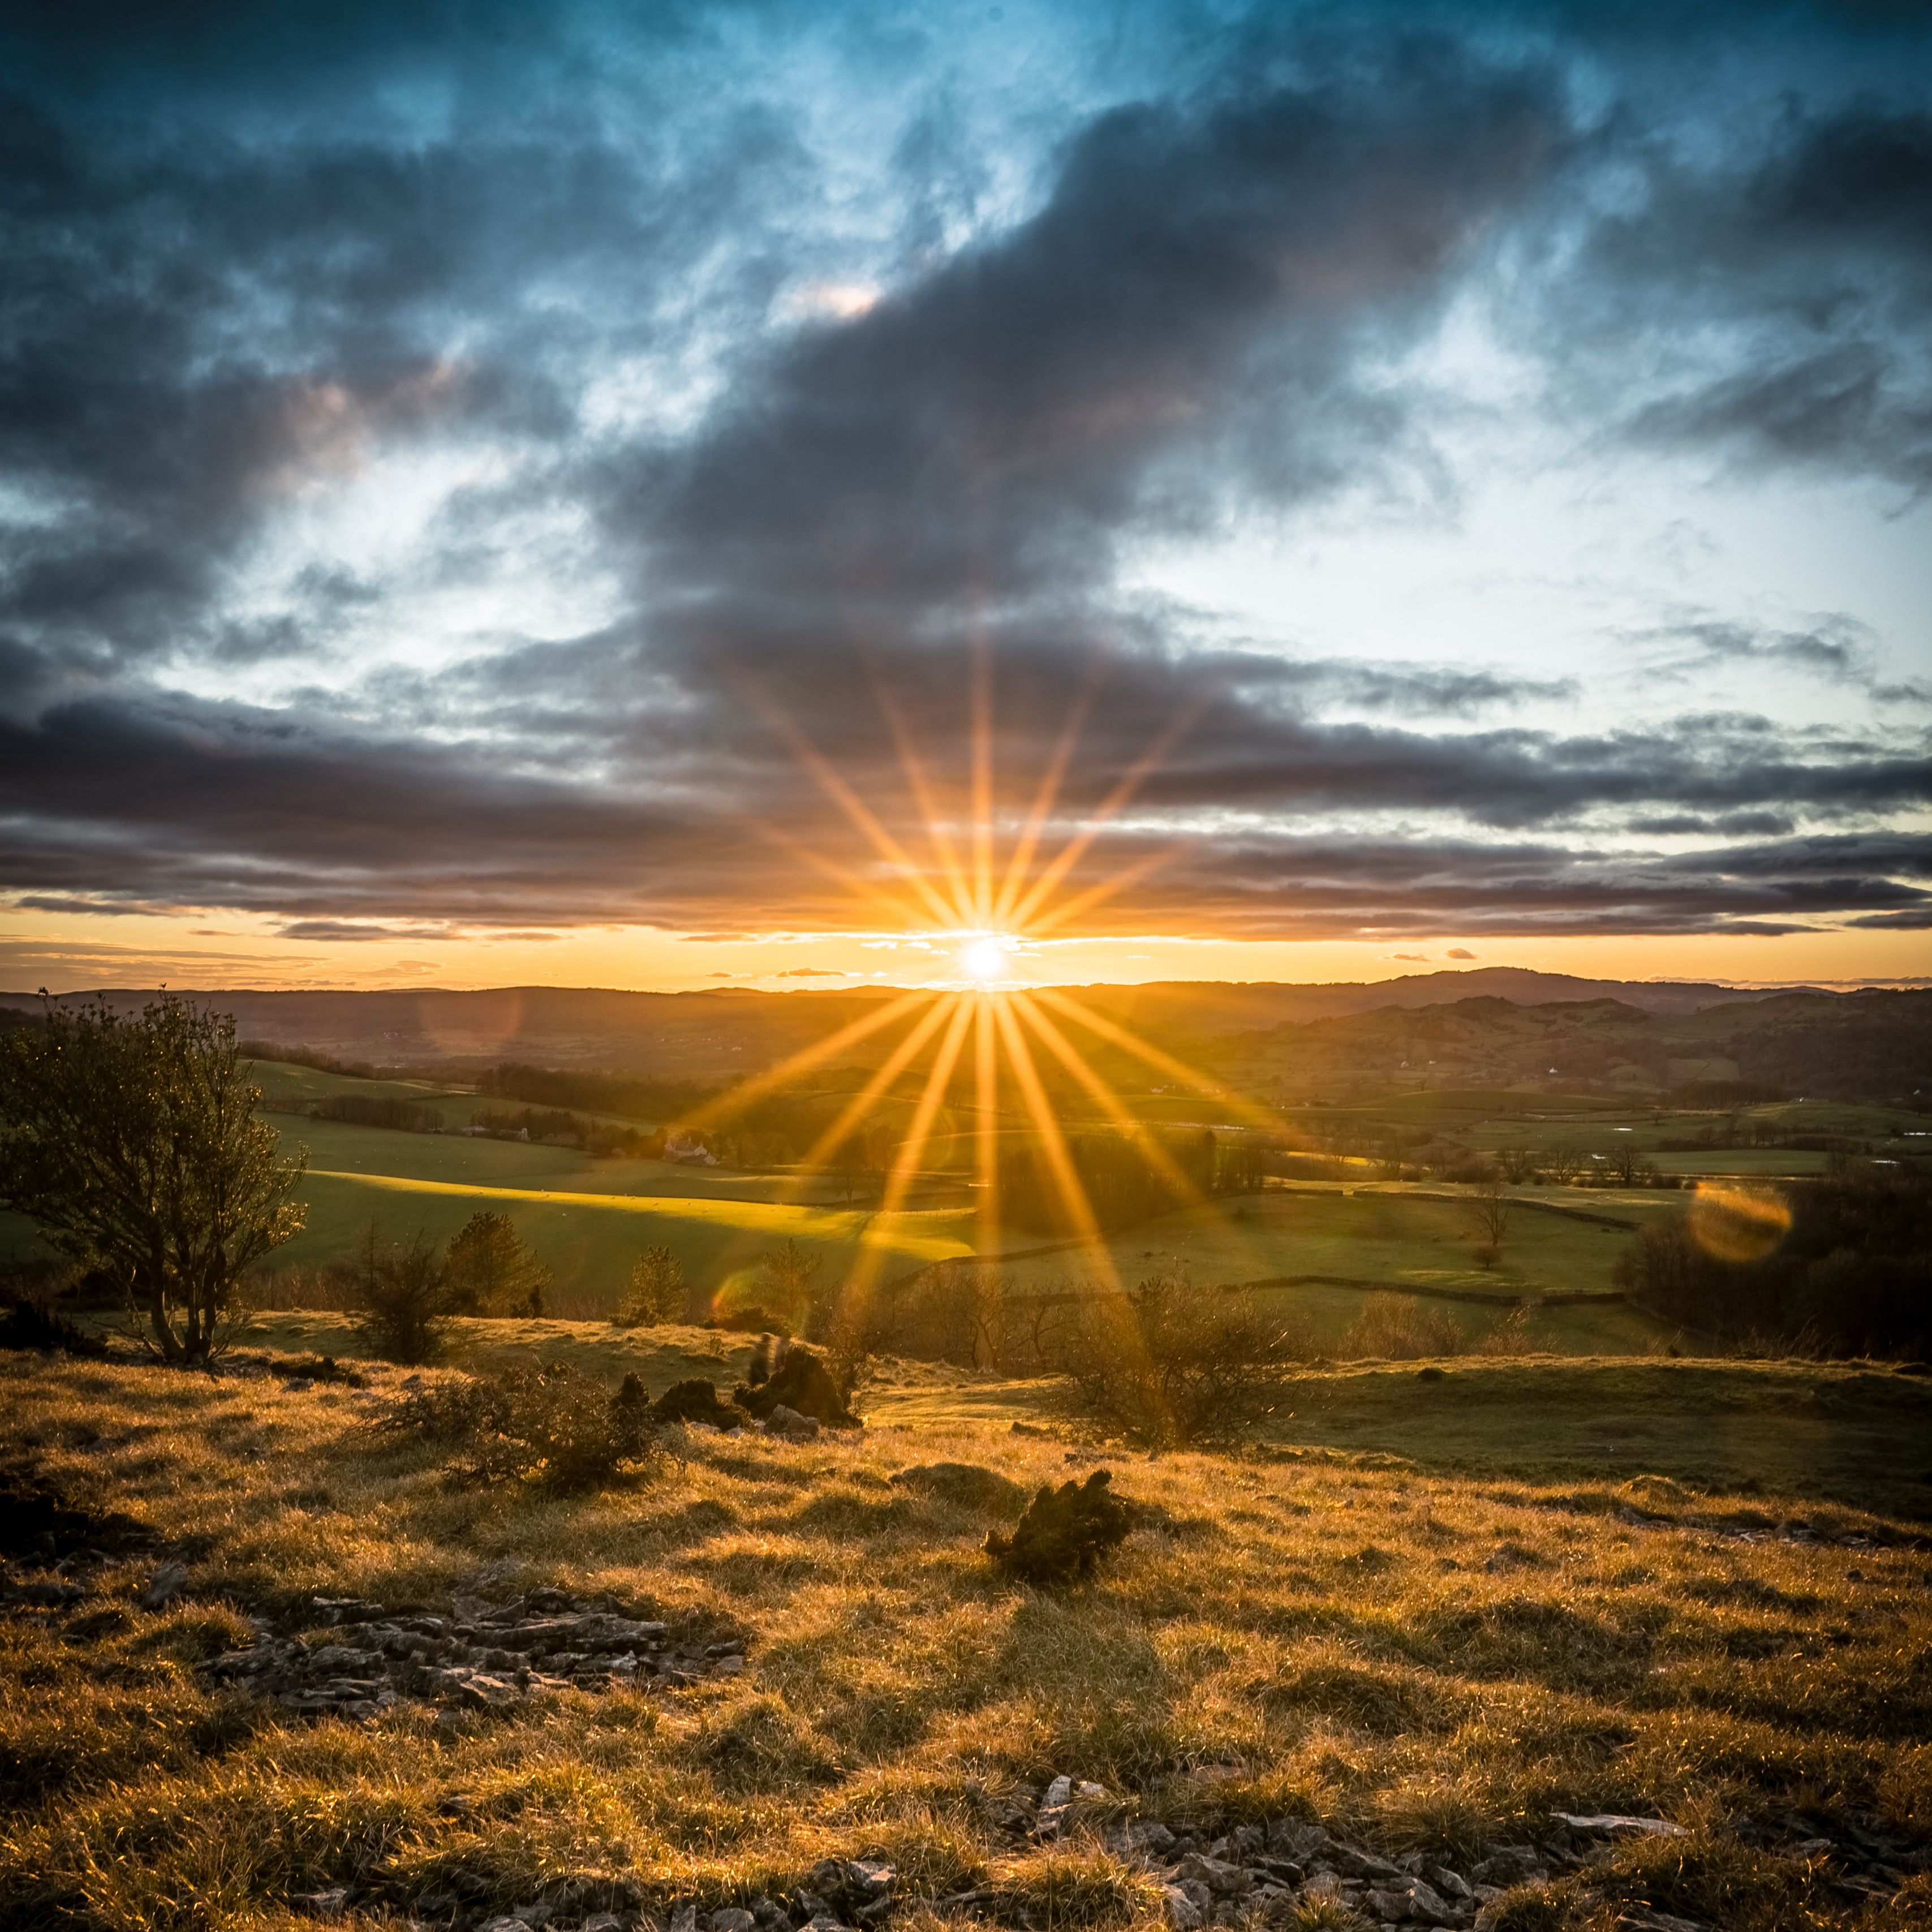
441 494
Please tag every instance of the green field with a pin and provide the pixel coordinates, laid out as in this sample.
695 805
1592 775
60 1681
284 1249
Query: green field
1323 1249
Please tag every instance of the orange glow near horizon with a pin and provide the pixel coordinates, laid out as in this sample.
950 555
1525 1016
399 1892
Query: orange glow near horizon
980 901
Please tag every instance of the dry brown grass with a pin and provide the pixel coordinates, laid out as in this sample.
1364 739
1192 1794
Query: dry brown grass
1429 1662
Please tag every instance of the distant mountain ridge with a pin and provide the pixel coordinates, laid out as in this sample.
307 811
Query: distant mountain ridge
714 1033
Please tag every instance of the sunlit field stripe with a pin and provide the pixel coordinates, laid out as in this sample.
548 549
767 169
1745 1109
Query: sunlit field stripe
778 1217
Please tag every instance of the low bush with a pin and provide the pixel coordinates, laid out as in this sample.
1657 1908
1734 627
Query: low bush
405 1297
32 1325
553 1425
1169 1362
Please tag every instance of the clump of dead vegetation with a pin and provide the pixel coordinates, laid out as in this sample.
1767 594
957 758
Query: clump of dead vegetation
1064 1532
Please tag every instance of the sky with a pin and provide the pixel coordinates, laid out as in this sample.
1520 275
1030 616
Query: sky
687 496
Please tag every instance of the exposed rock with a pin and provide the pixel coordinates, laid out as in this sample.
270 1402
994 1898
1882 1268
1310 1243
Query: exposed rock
1149 1835
1186 1906
167 1583
1218 1875
489 1657
1508 1865
330 1904
799 1382
48 1596
696 1400
1612 1824
732 1918
787 1423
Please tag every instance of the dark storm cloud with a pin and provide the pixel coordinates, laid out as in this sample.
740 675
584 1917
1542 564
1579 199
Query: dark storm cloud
469 844
1806 260
992 429
236 271
193 328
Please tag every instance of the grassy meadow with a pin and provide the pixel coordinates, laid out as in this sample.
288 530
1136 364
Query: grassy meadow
1426 1611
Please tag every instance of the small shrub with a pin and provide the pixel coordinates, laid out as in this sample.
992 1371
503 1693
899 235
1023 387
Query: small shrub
1171 1363
552 1424
1064 1532
1509 1335
405 1296
1525 1908
657 1291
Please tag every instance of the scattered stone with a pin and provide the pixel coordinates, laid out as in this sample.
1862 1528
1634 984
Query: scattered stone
1615 1825
1149 1835
1508 1865
49 1596
168 1583
1186 1906
787 1423
488 1657
330 1904
1218 1875
685 1919
733 1918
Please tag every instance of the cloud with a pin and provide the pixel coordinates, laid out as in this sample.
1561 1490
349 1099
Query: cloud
1458 953
444 492
337 931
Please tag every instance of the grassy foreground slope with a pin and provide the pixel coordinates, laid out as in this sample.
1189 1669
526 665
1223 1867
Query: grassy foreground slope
1418 1657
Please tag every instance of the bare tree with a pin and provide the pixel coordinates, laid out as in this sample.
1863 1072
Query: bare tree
134 1143
1563 1163
1490 1210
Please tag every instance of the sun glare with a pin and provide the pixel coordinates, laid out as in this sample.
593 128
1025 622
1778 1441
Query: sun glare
975 872
984 959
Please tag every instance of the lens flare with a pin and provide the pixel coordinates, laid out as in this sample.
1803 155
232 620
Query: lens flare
1734 1222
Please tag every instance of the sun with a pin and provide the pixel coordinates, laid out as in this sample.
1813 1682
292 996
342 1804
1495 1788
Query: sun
983 959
